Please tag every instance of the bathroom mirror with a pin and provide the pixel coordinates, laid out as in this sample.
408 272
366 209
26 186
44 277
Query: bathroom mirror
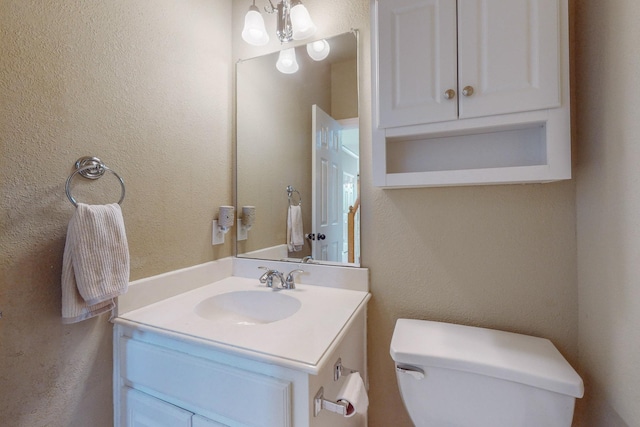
298 145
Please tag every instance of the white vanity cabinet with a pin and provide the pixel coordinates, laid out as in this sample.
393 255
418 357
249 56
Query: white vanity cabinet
163 378
470 92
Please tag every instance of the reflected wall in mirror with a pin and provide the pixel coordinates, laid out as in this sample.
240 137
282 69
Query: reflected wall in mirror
300 130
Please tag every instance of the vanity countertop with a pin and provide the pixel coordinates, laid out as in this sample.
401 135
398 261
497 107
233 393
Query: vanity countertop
299 341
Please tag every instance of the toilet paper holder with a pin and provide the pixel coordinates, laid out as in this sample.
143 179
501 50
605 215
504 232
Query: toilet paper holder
339 370
320 403
339 407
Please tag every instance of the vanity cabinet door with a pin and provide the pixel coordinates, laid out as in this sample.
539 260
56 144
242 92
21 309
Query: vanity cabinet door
508 55
417 62
206 387
142 410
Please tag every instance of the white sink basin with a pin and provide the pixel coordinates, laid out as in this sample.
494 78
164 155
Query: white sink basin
248 307
295 328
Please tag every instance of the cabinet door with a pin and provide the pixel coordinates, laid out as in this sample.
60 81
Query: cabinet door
247 398
142 410
416 50
509 53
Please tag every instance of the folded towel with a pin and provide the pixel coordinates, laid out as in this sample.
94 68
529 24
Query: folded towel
295 235
95 263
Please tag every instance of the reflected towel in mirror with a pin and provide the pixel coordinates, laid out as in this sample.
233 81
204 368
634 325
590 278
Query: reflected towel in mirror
295 235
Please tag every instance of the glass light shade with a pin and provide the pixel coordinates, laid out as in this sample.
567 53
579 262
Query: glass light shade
301 22
254 31
318 50
287 62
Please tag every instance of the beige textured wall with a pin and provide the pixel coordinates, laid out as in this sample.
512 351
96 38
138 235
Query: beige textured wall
495 256
344 90
146 86
608 209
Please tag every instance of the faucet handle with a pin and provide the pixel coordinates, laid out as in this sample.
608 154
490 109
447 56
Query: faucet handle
265 277
289 281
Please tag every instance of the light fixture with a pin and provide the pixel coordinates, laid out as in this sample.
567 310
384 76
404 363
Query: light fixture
254 31
293 23
318 50
287 62
301 22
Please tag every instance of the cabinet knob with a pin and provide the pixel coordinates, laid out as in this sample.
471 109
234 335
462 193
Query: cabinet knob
467 91
449 94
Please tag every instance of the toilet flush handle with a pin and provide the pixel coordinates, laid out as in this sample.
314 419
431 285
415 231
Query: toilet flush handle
416 373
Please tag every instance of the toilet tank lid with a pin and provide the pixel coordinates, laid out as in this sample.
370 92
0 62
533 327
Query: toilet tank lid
513 357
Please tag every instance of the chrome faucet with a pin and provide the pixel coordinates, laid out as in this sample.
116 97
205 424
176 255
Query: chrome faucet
267 278
285 283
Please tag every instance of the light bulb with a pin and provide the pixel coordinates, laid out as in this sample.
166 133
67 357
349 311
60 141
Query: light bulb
287 63
301 22
318 50
254 31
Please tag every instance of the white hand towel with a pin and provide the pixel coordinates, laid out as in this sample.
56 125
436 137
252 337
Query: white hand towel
95 265
295 235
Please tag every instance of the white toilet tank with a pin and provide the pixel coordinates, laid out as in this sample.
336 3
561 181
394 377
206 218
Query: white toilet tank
461 376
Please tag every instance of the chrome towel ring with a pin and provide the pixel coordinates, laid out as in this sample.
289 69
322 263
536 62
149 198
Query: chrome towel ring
290 191
91 168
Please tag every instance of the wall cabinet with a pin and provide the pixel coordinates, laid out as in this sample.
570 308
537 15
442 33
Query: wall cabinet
470 92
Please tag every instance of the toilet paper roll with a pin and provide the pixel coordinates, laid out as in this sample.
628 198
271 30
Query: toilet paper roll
354 394
225 217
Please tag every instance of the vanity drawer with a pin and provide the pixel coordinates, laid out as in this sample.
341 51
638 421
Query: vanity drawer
206 387
142 410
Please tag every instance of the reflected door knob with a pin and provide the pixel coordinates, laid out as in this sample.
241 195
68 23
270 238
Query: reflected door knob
449 94
311 236
321 237
467 91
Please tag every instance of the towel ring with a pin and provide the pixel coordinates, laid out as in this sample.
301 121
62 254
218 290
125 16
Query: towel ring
290 191
91 168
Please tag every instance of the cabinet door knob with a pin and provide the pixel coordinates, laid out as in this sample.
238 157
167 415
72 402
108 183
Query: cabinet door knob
467 91
449 94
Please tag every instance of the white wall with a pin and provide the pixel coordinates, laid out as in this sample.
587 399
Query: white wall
608 209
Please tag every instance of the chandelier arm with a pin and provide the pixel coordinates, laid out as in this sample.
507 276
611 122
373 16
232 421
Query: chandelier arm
273 8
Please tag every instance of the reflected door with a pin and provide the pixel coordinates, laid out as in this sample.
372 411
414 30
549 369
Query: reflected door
326 217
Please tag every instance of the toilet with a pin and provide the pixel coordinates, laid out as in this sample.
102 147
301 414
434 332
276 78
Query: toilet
462 376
